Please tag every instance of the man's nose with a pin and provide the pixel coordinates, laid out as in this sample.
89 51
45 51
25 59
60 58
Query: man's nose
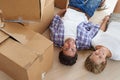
69 44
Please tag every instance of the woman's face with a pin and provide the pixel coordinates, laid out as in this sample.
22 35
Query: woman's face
69 48
99 55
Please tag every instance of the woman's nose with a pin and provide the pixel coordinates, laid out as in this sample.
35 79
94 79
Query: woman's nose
97 52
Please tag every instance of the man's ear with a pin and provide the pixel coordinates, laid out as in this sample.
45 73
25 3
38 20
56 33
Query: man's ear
61 12
62 48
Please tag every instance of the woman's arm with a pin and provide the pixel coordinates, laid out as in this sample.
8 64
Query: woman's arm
103 25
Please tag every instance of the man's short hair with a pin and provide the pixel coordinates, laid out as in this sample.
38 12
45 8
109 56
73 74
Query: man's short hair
67 60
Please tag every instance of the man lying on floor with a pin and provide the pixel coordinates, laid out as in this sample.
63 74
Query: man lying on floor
106 45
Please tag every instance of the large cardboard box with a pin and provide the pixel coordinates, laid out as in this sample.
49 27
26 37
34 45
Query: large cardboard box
62 4
24 54
36 13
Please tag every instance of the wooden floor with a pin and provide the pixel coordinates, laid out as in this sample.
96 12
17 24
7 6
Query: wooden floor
77 71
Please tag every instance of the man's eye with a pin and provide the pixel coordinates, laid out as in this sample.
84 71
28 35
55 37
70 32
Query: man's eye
66 49
73 50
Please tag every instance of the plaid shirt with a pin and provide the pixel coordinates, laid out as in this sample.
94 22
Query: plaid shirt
85 32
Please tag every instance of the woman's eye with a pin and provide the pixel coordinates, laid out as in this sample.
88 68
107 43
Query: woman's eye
96 53
100 57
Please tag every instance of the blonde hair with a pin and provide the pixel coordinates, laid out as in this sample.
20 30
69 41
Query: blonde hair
93 67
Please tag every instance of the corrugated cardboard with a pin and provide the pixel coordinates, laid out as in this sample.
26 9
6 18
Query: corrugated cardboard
62 4
25 54
36 13
3 36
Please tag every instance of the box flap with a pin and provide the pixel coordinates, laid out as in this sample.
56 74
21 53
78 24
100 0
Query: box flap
3 36
32 40
16 52
27 37
18 32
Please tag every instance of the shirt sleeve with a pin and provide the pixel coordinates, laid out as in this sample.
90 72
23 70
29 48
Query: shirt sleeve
93 29
54 25
56 31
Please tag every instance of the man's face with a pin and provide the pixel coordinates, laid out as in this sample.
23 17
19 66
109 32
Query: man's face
69 48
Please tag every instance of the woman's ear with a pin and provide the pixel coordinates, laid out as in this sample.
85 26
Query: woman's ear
104 61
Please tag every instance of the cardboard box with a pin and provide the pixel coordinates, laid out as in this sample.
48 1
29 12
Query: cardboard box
46 18
36 13
62 4
24 54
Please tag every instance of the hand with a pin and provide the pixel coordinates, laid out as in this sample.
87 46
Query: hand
104 23
61 12
106 18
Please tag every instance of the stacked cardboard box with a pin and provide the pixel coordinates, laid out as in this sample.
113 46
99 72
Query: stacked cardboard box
24 54
38 13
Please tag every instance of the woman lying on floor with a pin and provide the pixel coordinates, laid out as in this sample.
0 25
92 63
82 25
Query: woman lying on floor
106 45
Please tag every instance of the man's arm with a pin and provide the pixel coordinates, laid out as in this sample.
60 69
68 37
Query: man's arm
61 12
103 25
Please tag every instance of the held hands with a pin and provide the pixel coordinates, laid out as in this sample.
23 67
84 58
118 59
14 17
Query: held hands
104 23
106 18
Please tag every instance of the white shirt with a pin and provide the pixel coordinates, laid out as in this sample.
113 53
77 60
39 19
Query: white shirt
109 39
71 20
